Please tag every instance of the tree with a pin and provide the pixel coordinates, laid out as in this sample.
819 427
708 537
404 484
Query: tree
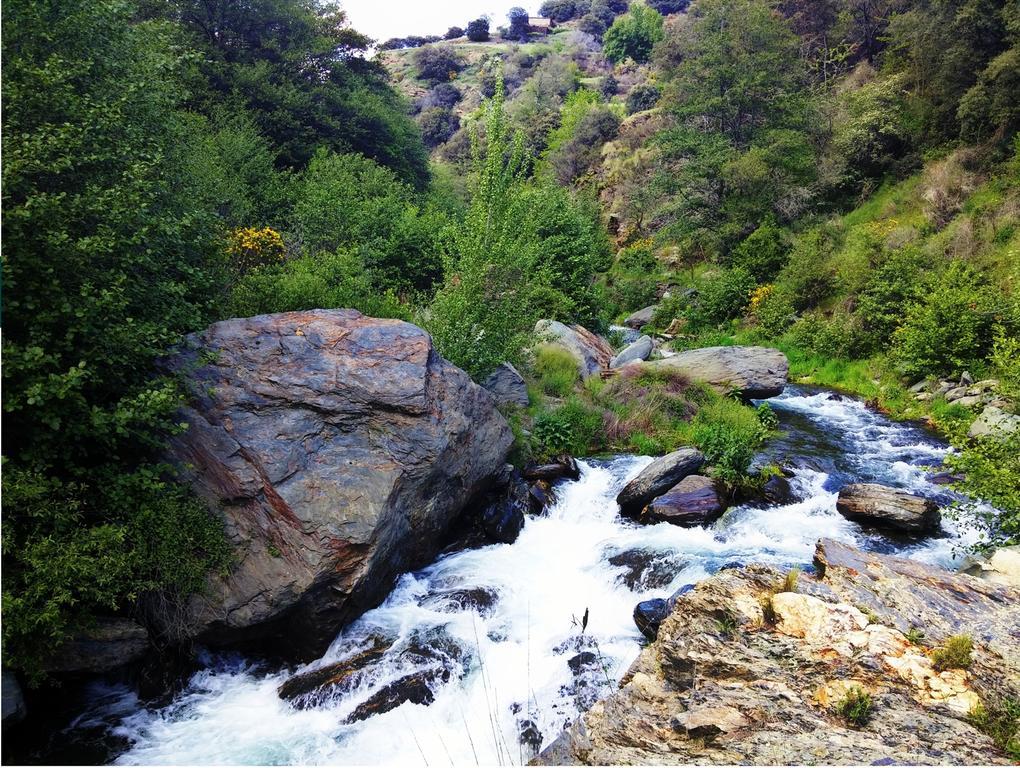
633 35
478 30
110 256
298 68
453 33
739 148
438 124
666 7
438 63
518 18
558 10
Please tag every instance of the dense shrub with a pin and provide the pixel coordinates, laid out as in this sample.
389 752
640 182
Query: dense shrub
721 297
326 280
110 255
666 7
772 310
347 201
888 291
518 29
438 63
609 87
556 370
558 10
642 97
836 337
592 25
478 30
807 278
633 35
763 252
992 470
949 327
453 33
574 428
438 124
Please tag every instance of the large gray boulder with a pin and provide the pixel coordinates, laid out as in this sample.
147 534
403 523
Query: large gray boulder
634 352
743 674
752 372
879 505
507 386
592 352
338 449
657 478
641 318
994 421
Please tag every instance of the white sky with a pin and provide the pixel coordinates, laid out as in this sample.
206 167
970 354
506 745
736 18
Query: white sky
382 19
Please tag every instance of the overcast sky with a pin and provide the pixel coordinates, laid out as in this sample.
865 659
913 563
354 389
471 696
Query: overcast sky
383 19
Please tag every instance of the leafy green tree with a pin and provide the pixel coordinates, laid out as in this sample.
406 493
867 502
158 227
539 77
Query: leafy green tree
109 256
763 252
633 35
348 201
739 149
478 30
518 18
298 68
438 63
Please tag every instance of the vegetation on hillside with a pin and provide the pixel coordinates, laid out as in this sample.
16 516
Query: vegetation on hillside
837 178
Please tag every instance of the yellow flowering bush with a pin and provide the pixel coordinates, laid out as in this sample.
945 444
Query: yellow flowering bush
250 248
759 295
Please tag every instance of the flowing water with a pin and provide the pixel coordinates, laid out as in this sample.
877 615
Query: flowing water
502 625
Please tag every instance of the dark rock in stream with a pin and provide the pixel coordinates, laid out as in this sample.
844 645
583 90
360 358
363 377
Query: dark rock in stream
649 614
583 661
481 600
692 502
308 689
415 688
657 478
503 519
879 505
530 736
647 568
563 466
338 449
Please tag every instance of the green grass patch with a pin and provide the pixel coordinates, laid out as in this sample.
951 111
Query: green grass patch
955 654
855 707
556 370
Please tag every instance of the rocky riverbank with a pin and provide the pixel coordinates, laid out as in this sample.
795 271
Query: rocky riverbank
847 666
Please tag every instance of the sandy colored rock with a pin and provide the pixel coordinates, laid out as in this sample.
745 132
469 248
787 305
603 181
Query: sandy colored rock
879 505
764 689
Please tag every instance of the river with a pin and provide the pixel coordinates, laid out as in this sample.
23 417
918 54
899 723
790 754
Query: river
501 626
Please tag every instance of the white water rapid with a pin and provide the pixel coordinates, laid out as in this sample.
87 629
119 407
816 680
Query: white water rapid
506 618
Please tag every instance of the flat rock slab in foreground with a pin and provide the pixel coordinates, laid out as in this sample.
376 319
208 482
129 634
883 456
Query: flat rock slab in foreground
338 448
752 372
729 682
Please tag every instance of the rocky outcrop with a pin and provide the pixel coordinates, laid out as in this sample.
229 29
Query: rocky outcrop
693 501
634 352
744 673
592 352
657 478
109 644
994 421
1001 566
561 466
878 505
641 318
751 372
337 448
507 386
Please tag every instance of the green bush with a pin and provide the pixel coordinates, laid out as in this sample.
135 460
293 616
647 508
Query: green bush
991 467
574 428
633 35
889 289
556 369
1001 721
949 327
721 297
836 337
350 202
729 434
325 281
954 654
855 707
775 314
806 278
763 252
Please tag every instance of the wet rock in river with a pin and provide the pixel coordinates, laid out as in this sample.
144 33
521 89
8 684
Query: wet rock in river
649 614
879 505
415 688
481 600
647 568
310 688
503 519
657 478
692 502
562 466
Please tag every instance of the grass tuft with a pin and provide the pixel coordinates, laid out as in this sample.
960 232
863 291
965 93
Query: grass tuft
955 654
855 707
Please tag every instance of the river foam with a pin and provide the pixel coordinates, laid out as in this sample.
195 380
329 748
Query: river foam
508 662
